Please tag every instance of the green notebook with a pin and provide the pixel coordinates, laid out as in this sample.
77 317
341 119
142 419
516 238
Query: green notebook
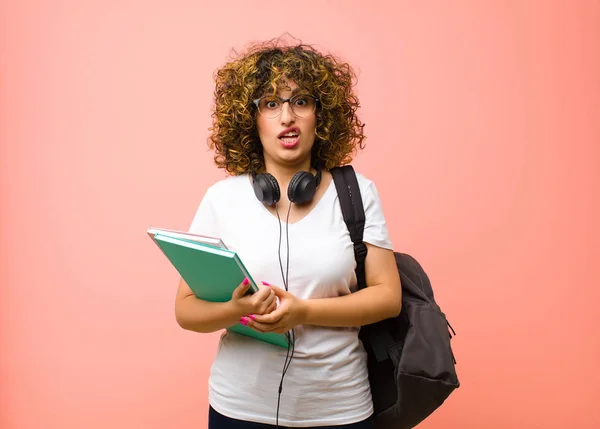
212 273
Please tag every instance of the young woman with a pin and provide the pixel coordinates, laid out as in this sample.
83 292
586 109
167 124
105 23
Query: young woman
283 117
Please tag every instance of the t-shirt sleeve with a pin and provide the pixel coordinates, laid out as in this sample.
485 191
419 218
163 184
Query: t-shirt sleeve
204 221
376 231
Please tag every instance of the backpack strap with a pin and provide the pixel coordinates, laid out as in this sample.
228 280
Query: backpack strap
354 215
377 340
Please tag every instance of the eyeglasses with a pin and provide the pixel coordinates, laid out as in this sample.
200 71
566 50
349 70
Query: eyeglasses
270 106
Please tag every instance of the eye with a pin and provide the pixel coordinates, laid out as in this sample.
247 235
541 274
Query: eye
270 103
301 101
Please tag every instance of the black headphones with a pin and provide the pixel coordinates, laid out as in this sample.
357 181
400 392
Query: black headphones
301 189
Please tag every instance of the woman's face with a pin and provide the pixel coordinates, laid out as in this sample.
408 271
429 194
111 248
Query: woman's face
287 137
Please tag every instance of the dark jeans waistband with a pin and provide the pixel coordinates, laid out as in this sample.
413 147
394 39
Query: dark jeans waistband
219 421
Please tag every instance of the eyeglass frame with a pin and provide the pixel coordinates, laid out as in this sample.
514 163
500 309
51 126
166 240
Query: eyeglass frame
286 100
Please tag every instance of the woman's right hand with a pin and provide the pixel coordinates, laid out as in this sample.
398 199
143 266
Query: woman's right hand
262 302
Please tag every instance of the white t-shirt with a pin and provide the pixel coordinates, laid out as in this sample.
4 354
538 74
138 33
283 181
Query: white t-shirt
327 380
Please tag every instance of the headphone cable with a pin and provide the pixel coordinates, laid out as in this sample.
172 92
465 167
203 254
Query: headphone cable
288 357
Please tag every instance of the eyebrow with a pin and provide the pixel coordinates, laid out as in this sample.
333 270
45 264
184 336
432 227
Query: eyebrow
297 90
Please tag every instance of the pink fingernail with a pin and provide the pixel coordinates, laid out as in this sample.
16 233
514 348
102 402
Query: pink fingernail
246 281
251 316
244 321
266 284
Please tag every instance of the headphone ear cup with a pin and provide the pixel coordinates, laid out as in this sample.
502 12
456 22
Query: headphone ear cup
302 188
266 189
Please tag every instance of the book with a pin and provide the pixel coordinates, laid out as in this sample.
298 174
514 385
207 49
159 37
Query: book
212 241
212 272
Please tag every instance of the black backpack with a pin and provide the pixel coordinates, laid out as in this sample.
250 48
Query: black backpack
410 360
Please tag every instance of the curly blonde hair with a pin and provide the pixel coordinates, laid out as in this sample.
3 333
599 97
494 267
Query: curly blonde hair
261 70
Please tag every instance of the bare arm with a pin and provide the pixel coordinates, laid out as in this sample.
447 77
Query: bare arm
381 299
197 315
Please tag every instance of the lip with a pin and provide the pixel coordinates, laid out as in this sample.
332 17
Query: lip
288 130
292 143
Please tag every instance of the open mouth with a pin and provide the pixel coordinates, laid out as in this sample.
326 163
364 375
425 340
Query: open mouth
289 138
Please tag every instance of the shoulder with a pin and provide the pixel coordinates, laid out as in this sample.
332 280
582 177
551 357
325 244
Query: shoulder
228 187
365 184
369 193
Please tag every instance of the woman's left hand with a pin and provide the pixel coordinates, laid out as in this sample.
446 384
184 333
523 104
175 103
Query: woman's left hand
290 313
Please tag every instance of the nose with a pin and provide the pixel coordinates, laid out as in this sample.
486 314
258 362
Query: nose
287 115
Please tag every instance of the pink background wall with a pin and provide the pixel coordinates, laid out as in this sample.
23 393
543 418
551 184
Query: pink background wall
489 112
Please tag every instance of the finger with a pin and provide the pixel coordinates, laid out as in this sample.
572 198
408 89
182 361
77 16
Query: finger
263 292
260 297
262 327
241 290
270 300
260 305
251 323
272 307
266 296
257 329
265 308
278 291
271 317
